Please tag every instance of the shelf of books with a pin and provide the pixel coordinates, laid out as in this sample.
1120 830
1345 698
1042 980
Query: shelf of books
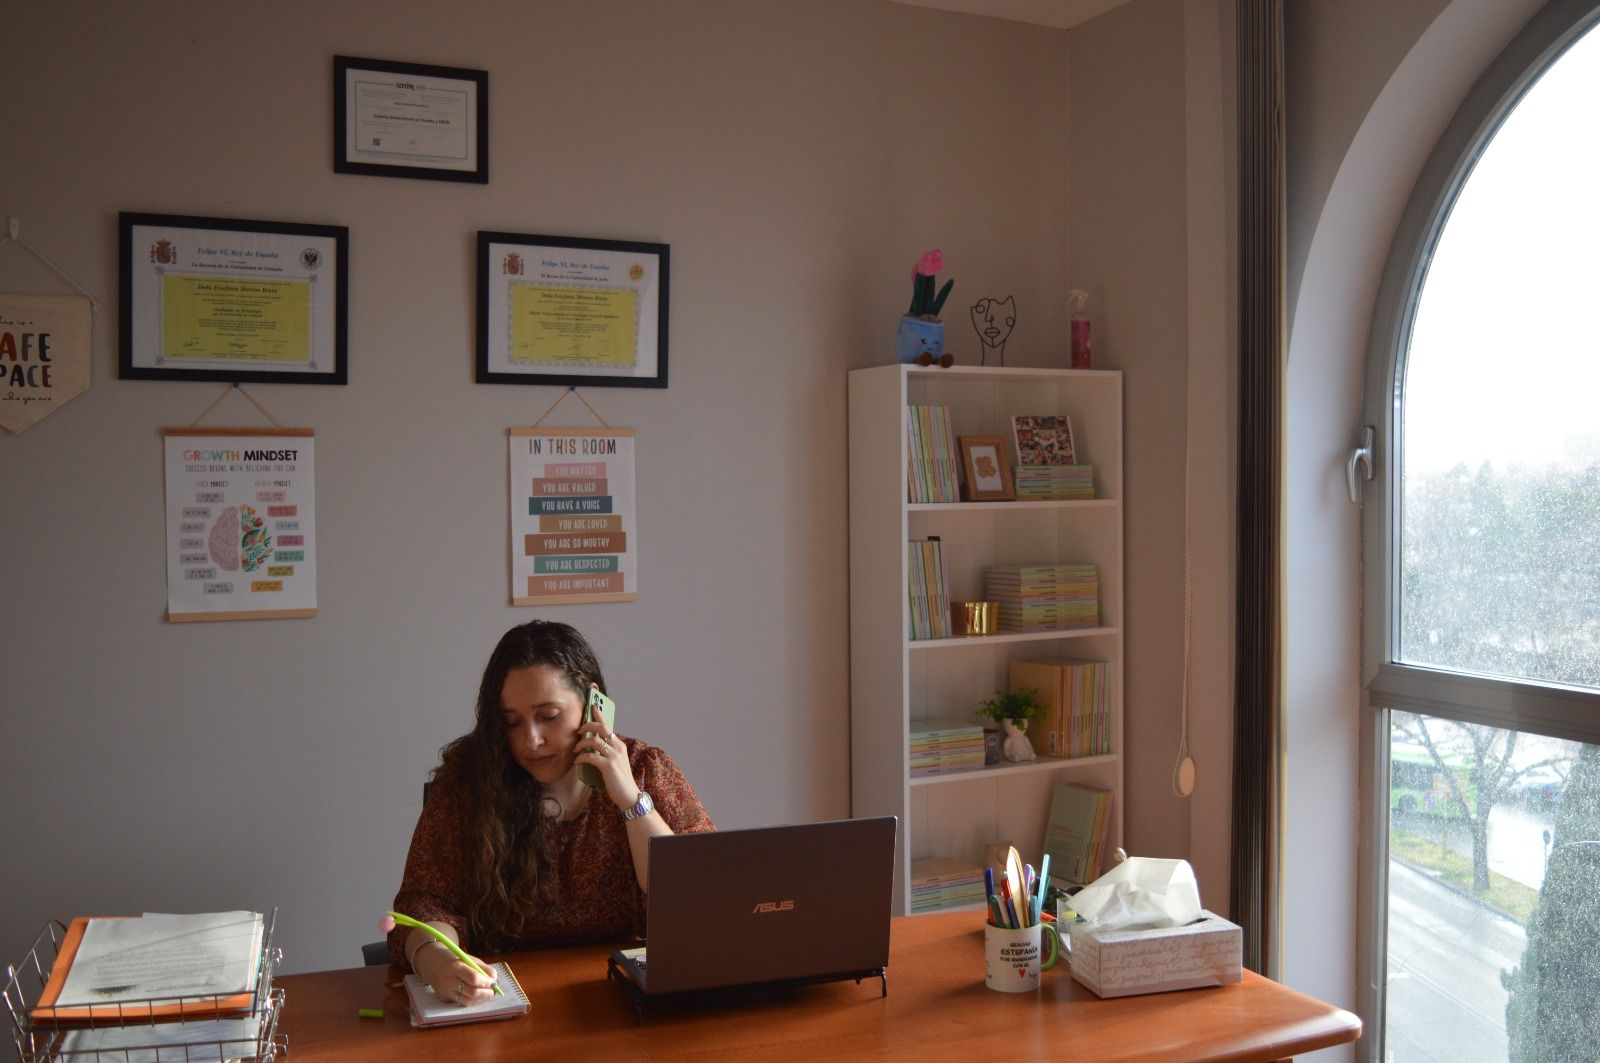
1049 553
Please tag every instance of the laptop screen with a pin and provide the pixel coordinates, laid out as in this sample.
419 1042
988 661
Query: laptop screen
738 907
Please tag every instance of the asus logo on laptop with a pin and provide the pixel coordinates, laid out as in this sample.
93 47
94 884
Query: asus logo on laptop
762 907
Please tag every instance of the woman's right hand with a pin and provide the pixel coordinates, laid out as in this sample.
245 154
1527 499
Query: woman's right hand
451 979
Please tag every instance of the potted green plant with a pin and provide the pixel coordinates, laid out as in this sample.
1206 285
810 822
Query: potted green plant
1012 709
920 338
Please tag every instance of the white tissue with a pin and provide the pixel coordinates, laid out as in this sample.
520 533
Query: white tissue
1141 893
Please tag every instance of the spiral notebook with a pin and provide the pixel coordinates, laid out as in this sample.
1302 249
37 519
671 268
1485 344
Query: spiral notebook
428 1010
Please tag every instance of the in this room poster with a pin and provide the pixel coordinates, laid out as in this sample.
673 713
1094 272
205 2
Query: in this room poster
241 524
572 516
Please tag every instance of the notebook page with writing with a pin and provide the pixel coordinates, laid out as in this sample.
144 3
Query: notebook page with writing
428 1010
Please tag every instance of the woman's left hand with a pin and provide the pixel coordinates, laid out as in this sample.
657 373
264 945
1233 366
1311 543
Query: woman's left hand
600 747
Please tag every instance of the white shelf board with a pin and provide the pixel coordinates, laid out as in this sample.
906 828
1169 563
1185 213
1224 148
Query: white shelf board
1043 503
1018 636
993 771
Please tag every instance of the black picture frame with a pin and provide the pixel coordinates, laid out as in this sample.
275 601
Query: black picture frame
154 247
596 269
434 161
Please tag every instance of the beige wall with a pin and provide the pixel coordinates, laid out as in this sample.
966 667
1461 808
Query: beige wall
797 157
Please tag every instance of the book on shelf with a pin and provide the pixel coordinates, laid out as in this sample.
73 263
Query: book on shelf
428 1010
941 882
1077 699
1043 439
1044 596
1075 833
928 597
940 747
153 968
1054 483
932 472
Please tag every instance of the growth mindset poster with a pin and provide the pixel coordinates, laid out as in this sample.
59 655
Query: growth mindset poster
241 524
572 516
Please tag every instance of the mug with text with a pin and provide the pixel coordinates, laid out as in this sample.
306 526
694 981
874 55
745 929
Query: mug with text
1012 958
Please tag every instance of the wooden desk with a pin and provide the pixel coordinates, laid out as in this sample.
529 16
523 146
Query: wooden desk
937 1009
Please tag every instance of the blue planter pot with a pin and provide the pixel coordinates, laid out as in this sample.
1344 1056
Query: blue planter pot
917 337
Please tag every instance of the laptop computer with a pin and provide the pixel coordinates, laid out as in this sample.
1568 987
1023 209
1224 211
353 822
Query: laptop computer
803 903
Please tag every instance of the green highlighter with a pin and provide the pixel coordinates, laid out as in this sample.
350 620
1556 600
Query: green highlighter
455 950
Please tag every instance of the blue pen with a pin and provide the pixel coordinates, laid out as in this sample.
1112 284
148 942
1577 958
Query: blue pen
994 902
1044 884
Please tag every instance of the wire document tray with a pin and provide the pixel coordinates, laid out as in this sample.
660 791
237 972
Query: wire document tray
190 1029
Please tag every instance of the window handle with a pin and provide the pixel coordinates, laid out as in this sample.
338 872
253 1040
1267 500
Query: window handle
1361 456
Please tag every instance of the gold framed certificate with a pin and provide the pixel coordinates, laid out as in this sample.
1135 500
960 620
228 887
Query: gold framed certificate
571 311
410 120
226 299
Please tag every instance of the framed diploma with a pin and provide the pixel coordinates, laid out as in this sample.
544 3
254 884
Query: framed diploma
569 311
410 120
240 301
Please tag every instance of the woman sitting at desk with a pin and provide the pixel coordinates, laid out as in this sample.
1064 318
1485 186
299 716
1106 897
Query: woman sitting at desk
512 849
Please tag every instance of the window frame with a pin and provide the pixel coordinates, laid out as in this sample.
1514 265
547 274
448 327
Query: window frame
1389 684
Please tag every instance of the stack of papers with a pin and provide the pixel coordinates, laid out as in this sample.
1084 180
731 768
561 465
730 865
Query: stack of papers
152 968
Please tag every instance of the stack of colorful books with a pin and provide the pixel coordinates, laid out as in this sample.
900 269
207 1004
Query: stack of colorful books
1054 482
940 882
1076 695
1044 596
939 747
928 596
932 470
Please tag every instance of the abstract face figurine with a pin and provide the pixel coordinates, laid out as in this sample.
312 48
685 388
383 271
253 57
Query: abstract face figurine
993 319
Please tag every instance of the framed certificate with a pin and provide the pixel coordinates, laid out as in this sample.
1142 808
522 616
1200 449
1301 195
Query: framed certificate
569 311
241 301
410 120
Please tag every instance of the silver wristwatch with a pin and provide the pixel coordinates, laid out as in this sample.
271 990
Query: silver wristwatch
642 807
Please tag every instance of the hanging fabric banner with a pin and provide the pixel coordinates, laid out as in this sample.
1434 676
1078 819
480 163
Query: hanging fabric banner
44 355
572 516
241 524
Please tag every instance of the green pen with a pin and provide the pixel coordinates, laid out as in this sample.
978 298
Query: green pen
455 950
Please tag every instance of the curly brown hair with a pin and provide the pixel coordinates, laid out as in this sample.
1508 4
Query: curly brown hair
504 847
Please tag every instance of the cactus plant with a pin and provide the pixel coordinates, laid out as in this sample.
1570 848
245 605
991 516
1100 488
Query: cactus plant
924 303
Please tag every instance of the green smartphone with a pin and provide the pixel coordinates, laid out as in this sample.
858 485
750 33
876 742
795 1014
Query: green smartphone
603 707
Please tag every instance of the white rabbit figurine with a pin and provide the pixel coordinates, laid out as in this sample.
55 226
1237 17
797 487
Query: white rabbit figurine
1017 748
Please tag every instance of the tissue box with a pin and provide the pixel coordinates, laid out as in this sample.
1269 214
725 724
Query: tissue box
1121 963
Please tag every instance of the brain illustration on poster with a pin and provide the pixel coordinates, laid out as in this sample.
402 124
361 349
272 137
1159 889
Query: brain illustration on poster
241 519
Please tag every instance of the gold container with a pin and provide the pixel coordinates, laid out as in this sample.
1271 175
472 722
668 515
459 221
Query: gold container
975 618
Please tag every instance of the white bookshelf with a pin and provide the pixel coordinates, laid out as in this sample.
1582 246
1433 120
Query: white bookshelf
895 680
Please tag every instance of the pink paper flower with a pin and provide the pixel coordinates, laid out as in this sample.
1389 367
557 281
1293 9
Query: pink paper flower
386 924
931 263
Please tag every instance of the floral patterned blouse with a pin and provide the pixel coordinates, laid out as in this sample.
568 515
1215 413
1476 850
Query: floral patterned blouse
591 880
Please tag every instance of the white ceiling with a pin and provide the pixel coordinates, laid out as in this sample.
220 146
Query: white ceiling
1060 14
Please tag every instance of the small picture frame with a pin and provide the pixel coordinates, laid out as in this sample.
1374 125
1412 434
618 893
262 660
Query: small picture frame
985 470
1044 439
410 120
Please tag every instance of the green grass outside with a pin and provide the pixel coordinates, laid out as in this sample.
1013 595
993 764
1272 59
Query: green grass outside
1517 901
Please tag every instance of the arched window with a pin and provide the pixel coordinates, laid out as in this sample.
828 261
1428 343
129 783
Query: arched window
1485 543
